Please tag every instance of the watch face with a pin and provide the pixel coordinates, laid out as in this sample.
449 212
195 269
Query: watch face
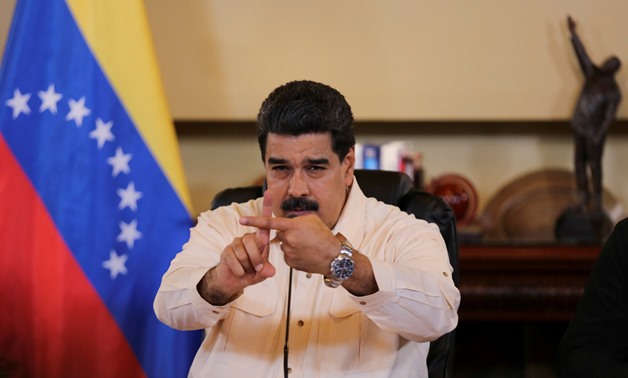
343 268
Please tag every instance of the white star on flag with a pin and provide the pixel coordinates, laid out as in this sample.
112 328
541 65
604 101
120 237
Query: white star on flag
129 197
19 103
77 111
120 162
49 99
102 132
129 233
115 264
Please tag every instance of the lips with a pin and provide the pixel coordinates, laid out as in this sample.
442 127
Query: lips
297 213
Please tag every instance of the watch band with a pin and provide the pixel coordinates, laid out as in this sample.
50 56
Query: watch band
331 282
341 268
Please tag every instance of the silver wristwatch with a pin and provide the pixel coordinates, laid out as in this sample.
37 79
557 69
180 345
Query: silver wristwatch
341 267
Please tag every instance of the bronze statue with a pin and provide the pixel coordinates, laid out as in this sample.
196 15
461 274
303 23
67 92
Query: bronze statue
595 111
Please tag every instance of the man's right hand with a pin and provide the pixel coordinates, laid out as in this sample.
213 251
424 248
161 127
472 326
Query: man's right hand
244 262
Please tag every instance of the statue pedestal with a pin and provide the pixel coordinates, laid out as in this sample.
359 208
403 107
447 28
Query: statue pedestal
583 225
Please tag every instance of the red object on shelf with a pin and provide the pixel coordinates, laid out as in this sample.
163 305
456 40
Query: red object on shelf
459 193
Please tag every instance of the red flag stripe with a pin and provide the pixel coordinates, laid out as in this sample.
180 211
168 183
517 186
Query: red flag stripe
44 294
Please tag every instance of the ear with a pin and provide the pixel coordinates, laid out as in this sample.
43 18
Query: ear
348 165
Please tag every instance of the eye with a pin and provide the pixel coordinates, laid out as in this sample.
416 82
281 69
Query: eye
280 171
279 168
316 170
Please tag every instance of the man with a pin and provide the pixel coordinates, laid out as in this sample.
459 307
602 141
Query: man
595 112
370 285
596 341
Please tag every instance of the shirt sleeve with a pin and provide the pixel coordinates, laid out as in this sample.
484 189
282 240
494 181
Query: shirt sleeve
178 303
417 297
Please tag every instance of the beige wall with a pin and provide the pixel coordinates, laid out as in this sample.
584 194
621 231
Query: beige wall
399 59
394 60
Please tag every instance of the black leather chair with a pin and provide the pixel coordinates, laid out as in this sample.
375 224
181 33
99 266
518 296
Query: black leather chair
397 189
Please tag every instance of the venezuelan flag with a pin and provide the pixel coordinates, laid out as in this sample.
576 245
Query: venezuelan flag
93 202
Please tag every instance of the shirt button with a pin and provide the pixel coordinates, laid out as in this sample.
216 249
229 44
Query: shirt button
300 323
309 275
445 274
362 303
289 370
216 312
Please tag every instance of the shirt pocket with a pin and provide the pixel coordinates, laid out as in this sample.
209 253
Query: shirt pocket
250 328
353 342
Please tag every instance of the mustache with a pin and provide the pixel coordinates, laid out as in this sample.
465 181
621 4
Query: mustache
299 204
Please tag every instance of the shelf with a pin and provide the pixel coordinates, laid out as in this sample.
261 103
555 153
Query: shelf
391 128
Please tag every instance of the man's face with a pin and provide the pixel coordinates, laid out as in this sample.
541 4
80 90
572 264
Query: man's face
306 176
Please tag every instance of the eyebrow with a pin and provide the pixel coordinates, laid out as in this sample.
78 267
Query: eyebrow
272 160
319 161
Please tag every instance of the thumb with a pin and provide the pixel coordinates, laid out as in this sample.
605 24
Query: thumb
265 269
268 270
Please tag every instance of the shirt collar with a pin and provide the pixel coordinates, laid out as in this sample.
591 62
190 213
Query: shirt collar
351 220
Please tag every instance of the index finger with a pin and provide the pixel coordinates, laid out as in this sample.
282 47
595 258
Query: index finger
267 223
263 234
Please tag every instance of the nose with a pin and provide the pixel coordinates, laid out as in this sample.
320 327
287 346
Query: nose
298 185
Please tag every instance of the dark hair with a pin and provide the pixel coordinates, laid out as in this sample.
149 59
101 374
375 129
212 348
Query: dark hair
304 107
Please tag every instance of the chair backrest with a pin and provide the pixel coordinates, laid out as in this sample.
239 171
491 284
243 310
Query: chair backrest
394 188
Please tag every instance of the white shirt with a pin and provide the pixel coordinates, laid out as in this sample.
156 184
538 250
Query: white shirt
332 333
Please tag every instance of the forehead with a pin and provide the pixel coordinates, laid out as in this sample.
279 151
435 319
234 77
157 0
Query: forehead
298 147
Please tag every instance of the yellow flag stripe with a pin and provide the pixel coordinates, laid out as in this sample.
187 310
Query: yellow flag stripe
118 33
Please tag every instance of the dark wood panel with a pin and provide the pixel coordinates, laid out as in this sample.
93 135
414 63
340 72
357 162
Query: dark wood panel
523 282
